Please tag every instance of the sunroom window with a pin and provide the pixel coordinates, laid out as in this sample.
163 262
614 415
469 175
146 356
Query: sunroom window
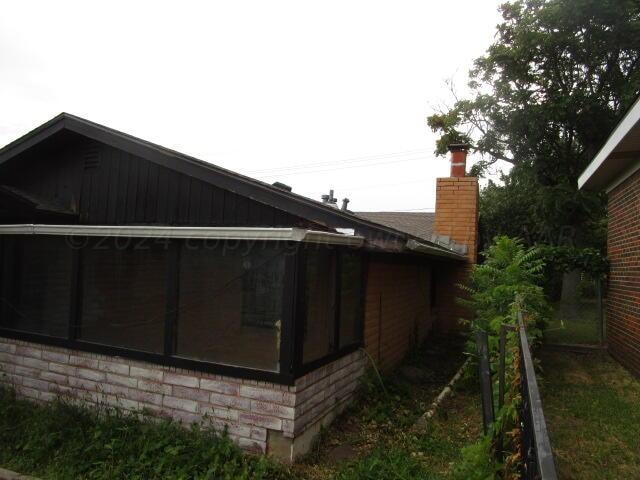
36 285
176 296
124 293
230 303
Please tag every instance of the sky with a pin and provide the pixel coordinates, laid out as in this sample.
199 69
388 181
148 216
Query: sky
316 94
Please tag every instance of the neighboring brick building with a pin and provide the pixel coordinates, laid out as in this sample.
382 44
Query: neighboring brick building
135 276
616 170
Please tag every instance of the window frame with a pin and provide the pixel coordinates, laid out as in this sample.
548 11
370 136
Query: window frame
337 352
11 291
291 365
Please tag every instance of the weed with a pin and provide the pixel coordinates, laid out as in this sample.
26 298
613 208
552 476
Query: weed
60 440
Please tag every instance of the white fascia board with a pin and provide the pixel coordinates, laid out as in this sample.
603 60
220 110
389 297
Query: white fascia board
624 127
214 233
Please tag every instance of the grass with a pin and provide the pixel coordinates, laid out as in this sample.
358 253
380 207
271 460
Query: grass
62 441
591 404
574 324
376 430
59 440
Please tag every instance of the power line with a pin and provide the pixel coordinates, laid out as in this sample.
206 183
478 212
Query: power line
365 187
303 166
288 174
425 209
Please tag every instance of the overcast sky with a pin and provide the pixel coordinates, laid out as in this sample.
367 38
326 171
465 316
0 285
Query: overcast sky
318 95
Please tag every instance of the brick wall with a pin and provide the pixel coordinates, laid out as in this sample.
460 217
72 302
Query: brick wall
250 410
397 310
623 296
457 210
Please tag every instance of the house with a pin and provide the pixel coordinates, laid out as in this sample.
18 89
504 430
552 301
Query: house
616 170
134 275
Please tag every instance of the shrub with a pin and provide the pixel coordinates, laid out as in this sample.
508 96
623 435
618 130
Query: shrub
510 280
509 271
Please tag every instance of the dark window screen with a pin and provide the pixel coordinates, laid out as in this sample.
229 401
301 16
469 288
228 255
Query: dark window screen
36 286
262 289
350 297
124 294
230 304
319 325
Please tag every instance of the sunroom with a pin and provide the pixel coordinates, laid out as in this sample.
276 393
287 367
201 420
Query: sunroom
261 303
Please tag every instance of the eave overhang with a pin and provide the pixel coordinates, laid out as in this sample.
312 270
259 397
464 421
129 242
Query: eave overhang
618 158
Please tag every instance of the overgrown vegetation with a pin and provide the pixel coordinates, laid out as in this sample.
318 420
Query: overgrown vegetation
62 441
591 408
509 270
509 281
374 439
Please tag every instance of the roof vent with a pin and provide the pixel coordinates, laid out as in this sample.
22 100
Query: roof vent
91 160
330 199
282 186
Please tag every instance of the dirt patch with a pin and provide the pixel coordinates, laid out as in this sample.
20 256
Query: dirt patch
382 418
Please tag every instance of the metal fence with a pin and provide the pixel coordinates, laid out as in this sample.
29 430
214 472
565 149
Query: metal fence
537 462
537 456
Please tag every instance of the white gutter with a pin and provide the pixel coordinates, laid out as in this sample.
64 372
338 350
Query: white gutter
624 127
419 247
213 233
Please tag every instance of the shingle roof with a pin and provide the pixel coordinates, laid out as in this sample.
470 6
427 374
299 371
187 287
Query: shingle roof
418 224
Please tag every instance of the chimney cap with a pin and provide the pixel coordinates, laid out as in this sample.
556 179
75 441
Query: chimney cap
457 147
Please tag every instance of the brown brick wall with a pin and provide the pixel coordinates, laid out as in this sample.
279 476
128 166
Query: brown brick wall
623 296
397 309
457 209
448 311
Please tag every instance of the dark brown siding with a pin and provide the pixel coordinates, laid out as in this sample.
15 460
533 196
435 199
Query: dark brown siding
623 298
107 186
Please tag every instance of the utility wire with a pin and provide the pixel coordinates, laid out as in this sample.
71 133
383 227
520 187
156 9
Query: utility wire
365 187
288 174
303 166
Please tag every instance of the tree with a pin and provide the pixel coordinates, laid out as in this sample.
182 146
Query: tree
544 98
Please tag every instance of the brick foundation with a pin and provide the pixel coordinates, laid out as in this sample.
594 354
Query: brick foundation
623 295
254 413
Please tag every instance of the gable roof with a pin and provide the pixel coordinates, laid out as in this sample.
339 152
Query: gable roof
376 233
418 224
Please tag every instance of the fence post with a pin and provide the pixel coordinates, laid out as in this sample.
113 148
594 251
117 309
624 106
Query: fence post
482 344
600 311
501 373
501 387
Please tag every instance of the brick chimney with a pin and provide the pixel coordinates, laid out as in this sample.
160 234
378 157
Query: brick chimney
458 159
457 202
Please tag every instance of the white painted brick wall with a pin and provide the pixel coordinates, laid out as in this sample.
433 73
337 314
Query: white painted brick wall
247 409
